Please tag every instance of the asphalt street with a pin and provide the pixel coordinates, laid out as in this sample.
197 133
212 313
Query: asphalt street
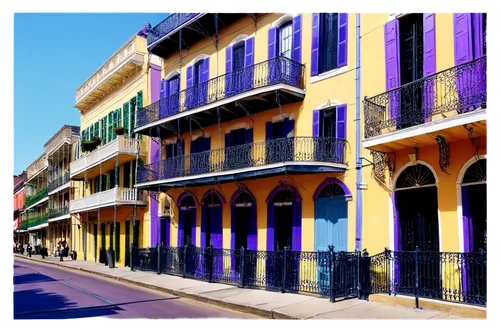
49 292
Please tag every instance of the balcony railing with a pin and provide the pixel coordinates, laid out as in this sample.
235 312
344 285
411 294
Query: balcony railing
36 197
60 181
270 72
172 22
117 195
36 221
460 89
294 149
121 145
59 211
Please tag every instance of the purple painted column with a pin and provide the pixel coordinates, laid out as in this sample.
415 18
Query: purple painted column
154 155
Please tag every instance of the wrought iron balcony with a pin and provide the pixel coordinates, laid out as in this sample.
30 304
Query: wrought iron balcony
30 200
115 196
169 25
58 211
60 181
458 90
36 221
279 70
270 153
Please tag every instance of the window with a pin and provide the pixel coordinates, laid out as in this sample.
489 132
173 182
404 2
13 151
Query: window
197 72
285 40
411 46
328 123
239 56
329 42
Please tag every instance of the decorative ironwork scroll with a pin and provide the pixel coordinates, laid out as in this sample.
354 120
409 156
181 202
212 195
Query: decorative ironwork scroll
444 153
379 165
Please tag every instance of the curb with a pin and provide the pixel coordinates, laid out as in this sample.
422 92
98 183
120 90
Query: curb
268 314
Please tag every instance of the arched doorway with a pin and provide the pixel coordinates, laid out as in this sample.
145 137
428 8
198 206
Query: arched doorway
417 221
473 190
211 219
284 218
187 219
284 229
243 228
243 221
330 215
416 224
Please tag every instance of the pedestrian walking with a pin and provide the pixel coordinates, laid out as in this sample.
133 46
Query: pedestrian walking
60 246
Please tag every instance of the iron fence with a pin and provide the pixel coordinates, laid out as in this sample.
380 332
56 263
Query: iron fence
270 72
449 276
328 273
30 200
459 89
59 211
293 149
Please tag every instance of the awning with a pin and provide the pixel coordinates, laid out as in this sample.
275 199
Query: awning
41 226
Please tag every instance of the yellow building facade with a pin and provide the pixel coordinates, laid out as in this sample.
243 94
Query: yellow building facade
256 134
111 213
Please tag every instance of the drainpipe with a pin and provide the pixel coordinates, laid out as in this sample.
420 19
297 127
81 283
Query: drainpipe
359 170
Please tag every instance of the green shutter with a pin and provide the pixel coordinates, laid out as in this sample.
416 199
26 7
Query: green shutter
110 126
96 129
103 130
139 106
125 118
117 241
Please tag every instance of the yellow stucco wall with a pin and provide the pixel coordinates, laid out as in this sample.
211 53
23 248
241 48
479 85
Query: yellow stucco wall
337 90
137 82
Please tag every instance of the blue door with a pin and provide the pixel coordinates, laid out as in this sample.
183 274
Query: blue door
330 228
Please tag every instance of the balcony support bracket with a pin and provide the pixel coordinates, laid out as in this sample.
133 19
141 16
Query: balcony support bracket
444 153
279 104
171 128
198 124
475 141
240 105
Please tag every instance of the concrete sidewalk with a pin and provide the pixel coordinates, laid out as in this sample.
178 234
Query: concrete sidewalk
266 304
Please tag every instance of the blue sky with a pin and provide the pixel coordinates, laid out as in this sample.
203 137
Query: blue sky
53 55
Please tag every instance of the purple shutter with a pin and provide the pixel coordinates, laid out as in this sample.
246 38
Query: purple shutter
297 38
269 130
249 61
284 128
392 66
193 146
249 51
180 231
315 129
296 225
189 76
291 127
429 63
463 38
252 228
215 226
315 44
272 39
163 89
249 135
270 226
342 40
229 69
273 66
204 75
477 24
341 118
463 53
189 96
204 216
205 70
467 221
429 44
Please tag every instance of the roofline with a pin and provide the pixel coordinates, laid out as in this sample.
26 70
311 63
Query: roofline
109 58
59 131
